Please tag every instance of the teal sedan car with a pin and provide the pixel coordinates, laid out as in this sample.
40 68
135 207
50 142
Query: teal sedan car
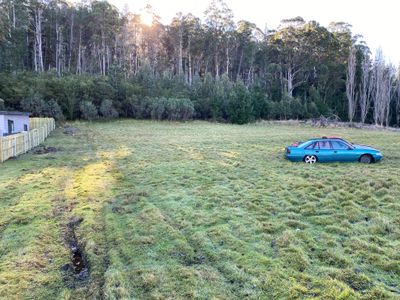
331 149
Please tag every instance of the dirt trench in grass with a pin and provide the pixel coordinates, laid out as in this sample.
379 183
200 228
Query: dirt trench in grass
78 209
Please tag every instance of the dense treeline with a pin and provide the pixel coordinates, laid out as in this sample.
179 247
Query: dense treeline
89 60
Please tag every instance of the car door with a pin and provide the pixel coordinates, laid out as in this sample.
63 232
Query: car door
323 150
343 152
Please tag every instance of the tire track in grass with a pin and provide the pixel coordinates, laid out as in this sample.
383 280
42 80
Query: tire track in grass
80 208
185 251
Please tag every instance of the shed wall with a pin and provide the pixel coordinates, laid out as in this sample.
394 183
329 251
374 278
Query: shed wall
19 122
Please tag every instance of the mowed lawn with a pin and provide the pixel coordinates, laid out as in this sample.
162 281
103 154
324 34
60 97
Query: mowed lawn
199 211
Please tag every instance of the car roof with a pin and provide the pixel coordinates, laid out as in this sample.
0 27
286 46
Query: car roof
327 139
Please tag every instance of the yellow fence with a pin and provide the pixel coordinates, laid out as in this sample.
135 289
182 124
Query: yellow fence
21 143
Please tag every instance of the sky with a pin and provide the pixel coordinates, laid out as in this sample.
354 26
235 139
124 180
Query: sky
377 21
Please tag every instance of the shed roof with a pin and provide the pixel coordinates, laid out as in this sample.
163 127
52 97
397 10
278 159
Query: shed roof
14 113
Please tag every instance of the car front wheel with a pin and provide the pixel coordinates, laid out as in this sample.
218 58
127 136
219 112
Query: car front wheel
366 159
310 159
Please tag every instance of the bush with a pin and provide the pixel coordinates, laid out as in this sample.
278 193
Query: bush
172 109
240 106
296 108
54 110
259 102
285 107
158 108
273 109
312 110
35 105
107 110
179 109
202 108
2 106
88 110
136 107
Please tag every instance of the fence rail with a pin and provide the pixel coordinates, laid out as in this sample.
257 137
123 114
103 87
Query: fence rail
20 143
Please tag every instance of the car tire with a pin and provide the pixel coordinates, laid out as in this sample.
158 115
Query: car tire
366 159
310 159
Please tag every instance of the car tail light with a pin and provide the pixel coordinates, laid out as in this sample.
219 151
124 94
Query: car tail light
287 150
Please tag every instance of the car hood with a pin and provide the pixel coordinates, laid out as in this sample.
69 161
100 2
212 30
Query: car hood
364 147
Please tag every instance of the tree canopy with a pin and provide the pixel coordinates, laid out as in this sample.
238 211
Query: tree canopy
91 52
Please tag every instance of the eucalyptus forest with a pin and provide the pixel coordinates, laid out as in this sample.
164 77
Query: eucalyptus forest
90 60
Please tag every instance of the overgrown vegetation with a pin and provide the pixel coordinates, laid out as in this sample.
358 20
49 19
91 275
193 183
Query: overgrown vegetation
230 71
199 210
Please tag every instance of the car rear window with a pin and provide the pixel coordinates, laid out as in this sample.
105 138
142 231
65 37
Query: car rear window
311 146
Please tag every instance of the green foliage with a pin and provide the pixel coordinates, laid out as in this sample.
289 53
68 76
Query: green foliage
186 59
158 108
107 110
35 105
54 110
312 110
296 108
240 106
88 110
172 109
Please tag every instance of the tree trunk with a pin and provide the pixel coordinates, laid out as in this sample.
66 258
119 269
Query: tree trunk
71 41
350 84
79 59
227 60
57 48
180 55
290 81
38 40
13 13
103 54
190 63
240 65
216 63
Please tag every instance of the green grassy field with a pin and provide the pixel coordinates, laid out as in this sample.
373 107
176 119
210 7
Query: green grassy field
199 211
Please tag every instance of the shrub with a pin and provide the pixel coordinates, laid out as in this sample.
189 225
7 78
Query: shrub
312 110
88 110
172 109
202 108
158 108
259 102
107 110
240 106
273 109
285 107
179 109
296 108
136 107
54 110
35 105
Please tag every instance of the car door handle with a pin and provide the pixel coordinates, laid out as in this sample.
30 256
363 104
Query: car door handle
317 151
334 151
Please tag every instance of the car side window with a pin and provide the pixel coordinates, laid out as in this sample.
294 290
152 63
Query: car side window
323 145
311 146
339 145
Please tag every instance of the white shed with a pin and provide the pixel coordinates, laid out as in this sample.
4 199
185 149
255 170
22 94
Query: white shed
13 122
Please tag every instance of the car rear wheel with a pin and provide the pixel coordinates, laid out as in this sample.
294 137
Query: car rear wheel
310 159
365 159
